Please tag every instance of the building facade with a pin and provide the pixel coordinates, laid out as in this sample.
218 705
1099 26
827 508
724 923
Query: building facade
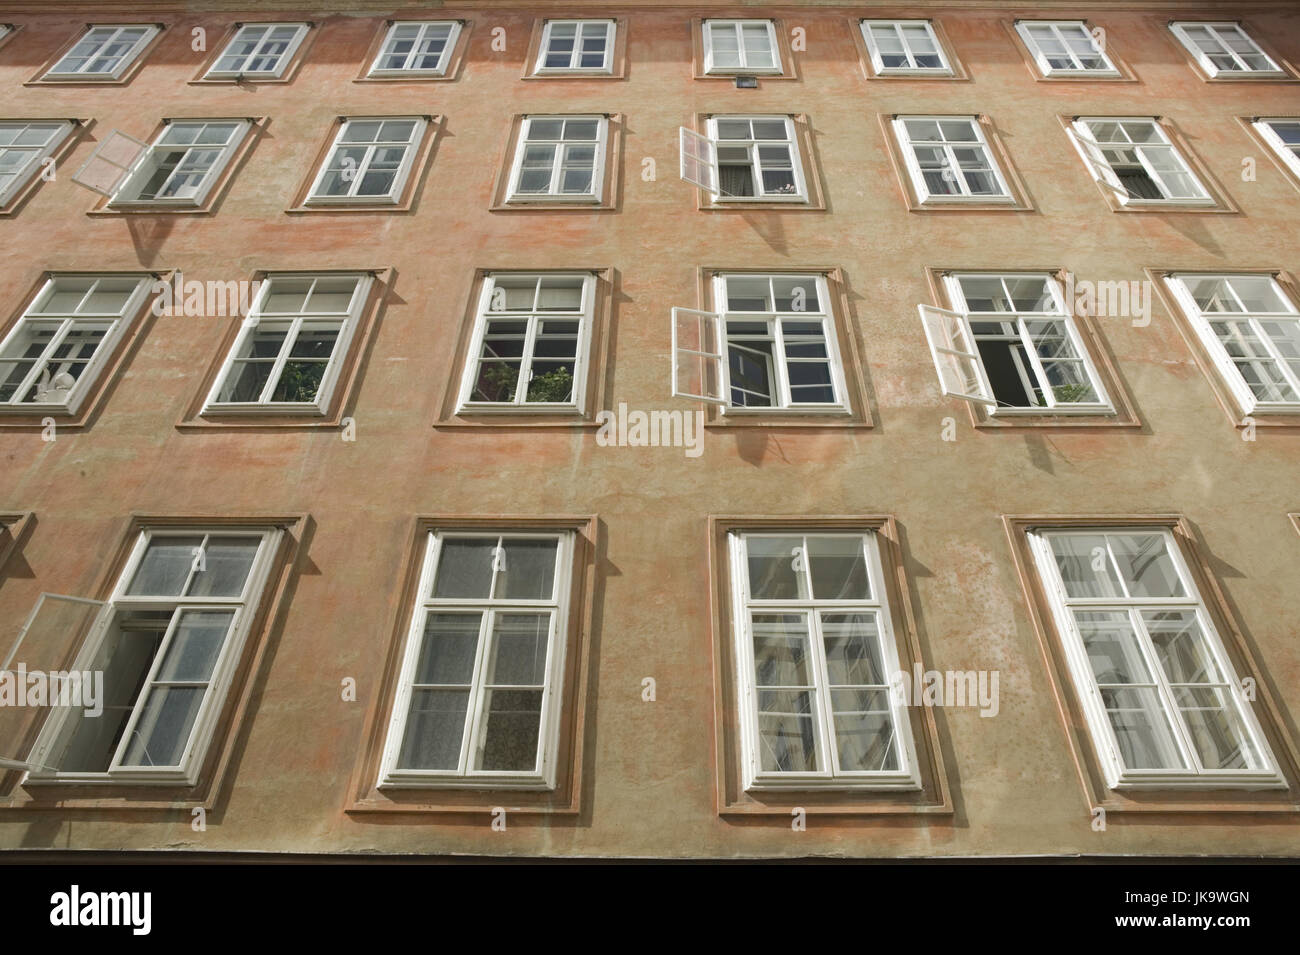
584 430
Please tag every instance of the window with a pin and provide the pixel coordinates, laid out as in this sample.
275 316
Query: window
1283 134
1224 48
1163 704
575 46
560 157
183 164
51 357
529 351
1065 48
816 655
745 158
417 48
103 53
904 47
479 695
1135 160
259 51
167 641
949 159
1011 345
23 147
740 46
778 346
1251 330
370 161
291 346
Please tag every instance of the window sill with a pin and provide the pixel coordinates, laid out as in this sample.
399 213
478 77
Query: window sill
807 785
1154 783
537 409
403 75
465 783
560 74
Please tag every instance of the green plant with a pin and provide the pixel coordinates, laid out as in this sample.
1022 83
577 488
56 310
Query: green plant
555 385
300 381
1069 394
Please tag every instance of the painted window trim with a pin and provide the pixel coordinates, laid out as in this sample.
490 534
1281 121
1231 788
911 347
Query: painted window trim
1178 28
800 197
104 353
444 61
31 168
201 736
1232 379
718 294
582 360
907 776
597 195
923 194
1040 58
338 357
544 777
414 147
211 177
777 69
282 63
1263 126
1117 777
1102 172
131 56
611 38
877 64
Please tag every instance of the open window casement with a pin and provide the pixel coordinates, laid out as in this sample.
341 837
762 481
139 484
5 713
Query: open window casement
38 660
114 161
699 368
699 160
1094 159
956 359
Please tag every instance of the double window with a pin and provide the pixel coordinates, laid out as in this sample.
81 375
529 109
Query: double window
770 346
1134 158
1163 703
369 161
103 53
745 158
1251 330
24 146
817 663
1012 346
259 51
417 48
52 356
949 159
1283 134
183 164
167 642
741 46
904 48
1065 48
291 346
560 158
479 694
1224 49
529 350
576 46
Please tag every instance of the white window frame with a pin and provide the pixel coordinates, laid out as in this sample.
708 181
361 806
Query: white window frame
792 140
31 166
1118 776
580 26
595 195
907 776
543 777
1091 151
114 323
1179 29
426 26
245 608
1288 152
151 30
534 318
394 194
1034 377
143 167
737 27
877 61
1227 368
779 376
1025 29
908 148
282 62
347 325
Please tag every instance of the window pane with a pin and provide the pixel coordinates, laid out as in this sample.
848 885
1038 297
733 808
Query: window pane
1181 647
1215 725
786 716
1141 728
435 727
164 726
529 572
195 646
1112 647
1146 566
839 568
224 566
772 568
465 567
447 649
1084 565
864 730
165 566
